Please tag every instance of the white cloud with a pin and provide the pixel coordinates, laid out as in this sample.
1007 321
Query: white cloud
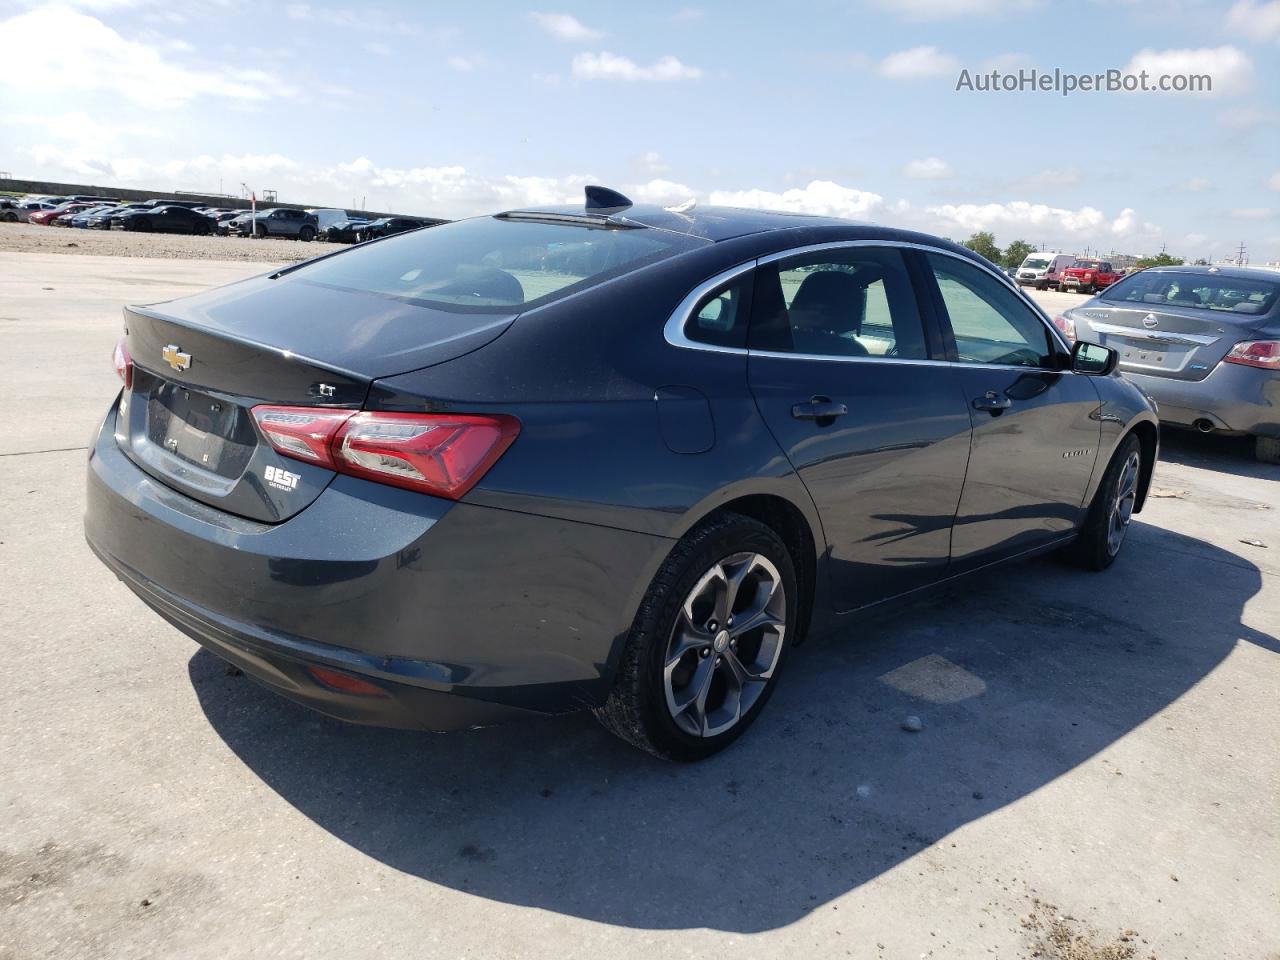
931 168
1257 21
820 197
663 192
1231 69
608 66
378 49
1040 221
1253 213
955 9
93 57
565 26
918 62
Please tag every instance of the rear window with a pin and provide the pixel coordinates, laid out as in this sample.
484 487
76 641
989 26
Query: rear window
491 265
1204 291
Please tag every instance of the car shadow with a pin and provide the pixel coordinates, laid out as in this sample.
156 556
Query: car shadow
1019 676
1213 451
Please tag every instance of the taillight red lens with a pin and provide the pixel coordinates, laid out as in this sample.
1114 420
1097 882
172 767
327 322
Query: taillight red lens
440 454
1256 353
1066 326
123 364
304 433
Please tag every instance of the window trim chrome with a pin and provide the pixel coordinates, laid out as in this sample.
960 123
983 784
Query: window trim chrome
674 330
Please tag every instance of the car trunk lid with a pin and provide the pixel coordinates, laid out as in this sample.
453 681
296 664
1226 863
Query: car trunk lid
201 364
1182 343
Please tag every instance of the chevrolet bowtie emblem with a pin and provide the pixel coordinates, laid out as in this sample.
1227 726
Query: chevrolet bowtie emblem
175 357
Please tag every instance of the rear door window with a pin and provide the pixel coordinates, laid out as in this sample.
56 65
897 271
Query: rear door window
855 302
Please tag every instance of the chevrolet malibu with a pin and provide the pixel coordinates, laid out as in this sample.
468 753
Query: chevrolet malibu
604 456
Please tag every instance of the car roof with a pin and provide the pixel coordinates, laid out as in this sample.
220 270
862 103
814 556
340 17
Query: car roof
1226 270
709 223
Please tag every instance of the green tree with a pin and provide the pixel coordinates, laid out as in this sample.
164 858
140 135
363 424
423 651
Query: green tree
1160 260
984 245
1016 252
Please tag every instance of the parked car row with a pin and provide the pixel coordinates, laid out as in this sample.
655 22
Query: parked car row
184 216
1062 271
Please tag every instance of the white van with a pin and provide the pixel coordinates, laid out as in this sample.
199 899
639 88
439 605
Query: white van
1042 270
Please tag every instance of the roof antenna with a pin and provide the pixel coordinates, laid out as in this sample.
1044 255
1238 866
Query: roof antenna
604 201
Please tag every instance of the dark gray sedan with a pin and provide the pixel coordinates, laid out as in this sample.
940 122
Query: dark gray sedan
1203 342
602 456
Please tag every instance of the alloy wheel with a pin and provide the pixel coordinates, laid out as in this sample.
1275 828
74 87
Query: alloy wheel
725 644
1122 506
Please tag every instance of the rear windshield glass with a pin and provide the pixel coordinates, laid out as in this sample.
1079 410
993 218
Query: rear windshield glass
1206 291
491 265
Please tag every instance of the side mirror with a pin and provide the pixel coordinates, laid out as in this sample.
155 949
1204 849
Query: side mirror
1093 359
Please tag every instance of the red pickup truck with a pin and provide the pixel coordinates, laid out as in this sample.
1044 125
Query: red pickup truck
1088 276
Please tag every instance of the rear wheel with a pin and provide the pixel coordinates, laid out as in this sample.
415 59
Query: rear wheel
200 229
1267 449
708 642
306 234
1107 522
143 226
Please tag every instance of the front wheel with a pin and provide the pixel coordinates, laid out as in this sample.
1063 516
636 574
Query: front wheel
1111 512
260 231
707 643
306 234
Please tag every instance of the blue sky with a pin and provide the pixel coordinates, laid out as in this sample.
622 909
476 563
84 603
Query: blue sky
847 108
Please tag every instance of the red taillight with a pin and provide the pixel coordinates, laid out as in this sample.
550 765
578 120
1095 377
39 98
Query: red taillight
1256 353
1066 326
440 454
304 433
346 683
123 364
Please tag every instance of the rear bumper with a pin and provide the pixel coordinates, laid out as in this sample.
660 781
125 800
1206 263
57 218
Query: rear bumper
1233 397
464 615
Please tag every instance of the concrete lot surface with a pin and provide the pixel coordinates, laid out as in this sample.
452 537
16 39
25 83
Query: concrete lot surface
1099 754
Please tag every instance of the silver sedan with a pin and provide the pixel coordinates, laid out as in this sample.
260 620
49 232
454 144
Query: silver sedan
1203 342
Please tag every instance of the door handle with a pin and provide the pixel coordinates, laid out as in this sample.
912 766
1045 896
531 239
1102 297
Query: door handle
822 409
994 403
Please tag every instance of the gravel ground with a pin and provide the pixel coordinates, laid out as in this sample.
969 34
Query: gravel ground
32 238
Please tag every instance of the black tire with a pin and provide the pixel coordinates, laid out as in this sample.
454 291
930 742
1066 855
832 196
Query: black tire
143 226
637 710
1094 548
1042 286
1267 449
260 231
306 234
11 218
200 230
